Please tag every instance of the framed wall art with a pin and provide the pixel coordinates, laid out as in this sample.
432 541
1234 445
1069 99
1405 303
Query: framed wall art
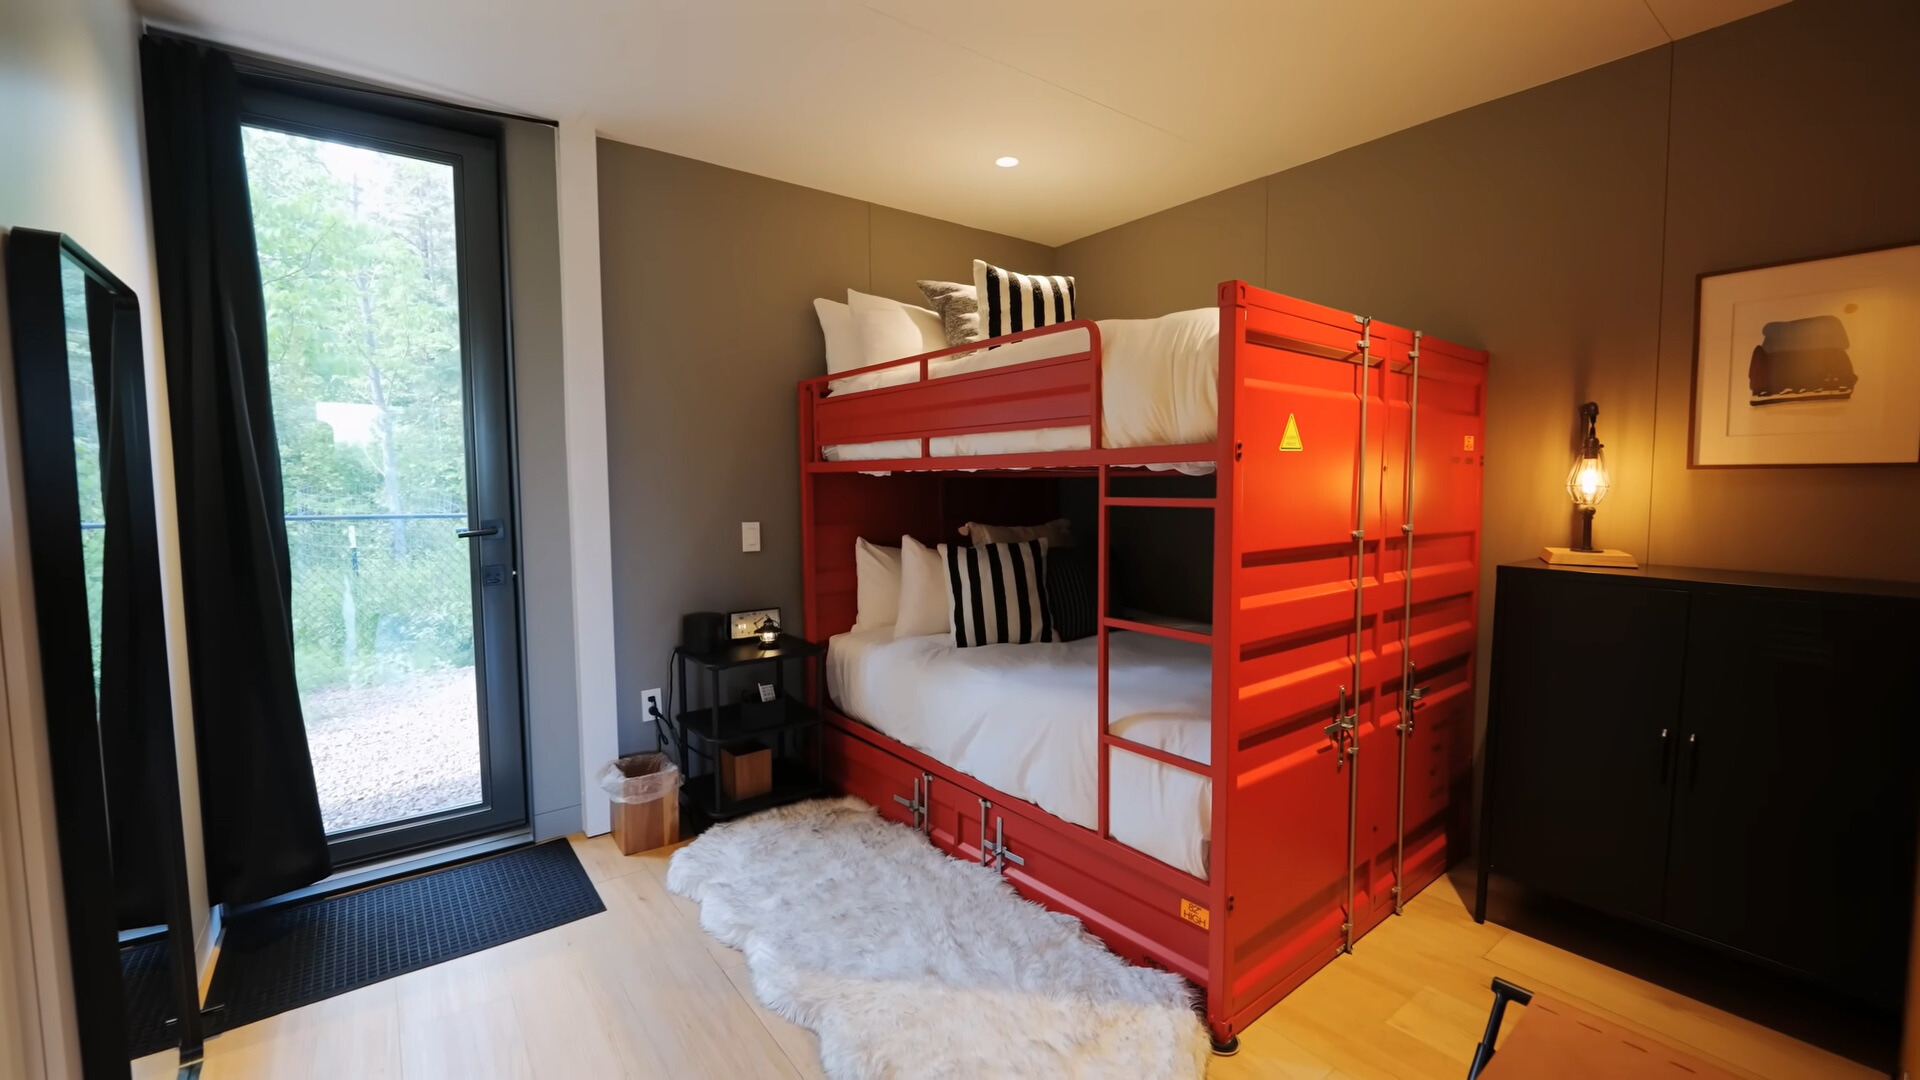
1812 362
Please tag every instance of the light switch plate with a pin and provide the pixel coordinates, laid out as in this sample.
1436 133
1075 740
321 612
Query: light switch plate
749 536
745 624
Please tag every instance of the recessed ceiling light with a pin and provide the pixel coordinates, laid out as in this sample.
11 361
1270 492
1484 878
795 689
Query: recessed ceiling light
1006 162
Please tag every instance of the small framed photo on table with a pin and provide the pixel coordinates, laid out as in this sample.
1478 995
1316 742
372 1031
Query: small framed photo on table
1813 362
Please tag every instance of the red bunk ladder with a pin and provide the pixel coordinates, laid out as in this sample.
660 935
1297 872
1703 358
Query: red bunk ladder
1109 623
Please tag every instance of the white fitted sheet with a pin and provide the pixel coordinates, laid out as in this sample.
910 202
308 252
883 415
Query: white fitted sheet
1021 718
1159 387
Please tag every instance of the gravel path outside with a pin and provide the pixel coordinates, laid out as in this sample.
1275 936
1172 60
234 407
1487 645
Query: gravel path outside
395 749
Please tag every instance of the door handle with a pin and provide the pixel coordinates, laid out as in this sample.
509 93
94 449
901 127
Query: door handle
1666 755
1693 758
486 529
1343 731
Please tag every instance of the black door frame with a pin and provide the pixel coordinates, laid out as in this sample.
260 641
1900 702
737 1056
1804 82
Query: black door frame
398 126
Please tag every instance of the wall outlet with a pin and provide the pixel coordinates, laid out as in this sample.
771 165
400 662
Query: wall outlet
650 704
749 536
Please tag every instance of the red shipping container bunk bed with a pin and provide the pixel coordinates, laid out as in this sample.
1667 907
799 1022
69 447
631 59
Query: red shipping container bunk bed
1345 568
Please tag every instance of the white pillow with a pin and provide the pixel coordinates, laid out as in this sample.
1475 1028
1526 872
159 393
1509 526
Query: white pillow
843 342
923 590
890 330
877 571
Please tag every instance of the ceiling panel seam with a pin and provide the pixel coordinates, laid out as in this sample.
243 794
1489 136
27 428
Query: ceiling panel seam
1657 21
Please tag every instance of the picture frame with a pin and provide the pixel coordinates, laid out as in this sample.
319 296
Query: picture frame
1808 362
743 625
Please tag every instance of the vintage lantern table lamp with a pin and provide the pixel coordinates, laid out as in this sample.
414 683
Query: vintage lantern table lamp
1587 485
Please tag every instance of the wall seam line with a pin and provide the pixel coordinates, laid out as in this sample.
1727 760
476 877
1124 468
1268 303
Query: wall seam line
1266 233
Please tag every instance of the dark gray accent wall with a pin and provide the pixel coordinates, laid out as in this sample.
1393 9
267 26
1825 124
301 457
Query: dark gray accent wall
1795 133
1562 229
708 277
546 556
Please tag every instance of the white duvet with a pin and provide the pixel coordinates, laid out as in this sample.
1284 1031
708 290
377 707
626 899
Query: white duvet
1022 718
1159 387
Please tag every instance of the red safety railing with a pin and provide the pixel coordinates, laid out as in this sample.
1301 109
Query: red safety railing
1061 390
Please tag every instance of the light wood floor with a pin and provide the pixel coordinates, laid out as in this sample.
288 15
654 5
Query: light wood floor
640 991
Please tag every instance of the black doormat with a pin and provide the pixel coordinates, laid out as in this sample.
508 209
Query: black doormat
281 959
146 971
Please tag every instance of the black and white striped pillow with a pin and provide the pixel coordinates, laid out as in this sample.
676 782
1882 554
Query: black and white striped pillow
999 593
1073 582
1010 302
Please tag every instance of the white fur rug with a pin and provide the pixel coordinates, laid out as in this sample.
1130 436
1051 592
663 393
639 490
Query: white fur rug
908 963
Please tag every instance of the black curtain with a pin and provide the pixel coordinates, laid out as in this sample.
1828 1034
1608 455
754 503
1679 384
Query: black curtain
259 807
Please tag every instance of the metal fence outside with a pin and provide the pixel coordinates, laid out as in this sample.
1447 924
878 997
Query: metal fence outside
378 596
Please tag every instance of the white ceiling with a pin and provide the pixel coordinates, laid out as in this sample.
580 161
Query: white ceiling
1116 108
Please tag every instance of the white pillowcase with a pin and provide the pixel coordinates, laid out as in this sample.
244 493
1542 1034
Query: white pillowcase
846 352
890 330
924 591
877 573
843 341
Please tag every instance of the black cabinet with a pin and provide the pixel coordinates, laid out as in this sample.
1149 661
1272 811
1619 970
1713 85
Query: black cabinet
1728 755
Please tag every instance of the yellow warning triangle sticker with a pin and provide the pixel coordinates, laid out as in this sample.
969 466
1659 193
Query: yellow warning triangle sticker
1290 439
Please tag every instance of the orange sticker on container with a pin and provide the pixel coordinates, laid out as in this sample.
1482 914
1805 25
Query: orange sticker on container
1467 443
1193 913
1290 438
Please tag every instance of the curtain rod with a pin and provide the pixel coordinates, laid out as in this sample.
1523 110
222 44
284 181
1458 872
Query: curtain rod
252 62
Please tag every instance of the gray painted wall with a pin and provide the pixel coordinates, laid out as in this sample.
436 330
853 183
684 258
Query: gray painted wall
1562 229
708 277
546 560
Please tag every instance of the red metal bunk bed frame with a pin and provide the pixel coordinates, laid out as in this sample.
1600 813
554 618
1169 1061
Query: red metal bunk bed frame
1337 628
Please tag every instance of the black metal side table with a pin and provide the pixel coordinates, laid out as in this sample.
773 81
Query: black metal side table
789 725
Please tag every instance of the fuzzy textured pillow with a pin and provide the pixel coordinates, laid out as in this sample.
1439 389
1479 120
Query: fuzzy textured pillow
1010 302
1057 533
958 308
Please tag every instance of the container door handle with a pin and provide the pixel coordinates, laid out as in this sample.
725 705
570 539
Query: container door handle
1341 731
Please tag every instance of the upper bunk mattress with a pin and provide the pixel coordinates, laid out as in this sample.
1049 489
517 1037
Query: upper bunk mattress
1159 387
1022 718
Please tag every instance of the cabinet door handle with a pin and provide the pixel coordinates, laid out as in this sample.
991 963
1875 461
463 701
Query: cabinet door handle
1666 755
1693 758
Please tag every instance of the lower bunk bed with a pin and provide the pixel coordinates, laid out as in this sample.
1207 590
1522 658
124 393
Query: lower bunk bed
1236 796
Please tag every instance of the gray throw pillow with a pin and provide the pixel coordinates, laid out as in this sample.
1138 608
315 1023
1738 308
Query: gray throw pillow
959 311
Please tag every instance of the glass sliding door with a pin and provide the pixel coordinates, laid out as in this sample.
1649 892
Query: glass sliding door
381 263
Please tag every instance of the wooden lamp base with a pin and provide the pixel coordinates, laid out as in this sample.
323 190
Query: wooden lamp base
1559 556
